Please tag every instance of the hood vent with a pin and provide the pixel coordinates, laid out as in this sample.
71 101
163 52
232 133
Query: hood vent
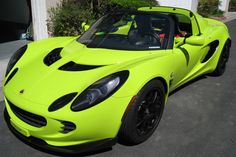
53 56
72 66
11 76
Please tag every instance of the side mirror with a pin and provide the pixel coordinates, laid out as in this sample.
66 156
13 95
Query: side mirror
85 26
195 40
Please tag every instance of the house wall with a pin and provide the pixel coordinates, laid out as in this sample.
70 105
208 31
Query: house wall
39 19
194 5
188 4
224 5
51 4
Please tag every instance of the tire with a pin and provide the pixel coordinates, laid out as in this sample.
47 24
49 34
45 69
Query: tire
143 116
224 57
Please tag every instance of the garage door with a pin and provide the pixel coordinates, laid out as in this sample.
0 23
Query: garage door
15 17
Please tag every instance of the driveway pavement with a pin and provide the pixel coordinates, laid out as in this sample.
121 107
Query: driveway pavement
199 121
230 16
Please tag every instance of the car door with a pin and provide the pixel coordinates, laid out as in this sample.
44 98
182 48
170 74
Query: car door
187 55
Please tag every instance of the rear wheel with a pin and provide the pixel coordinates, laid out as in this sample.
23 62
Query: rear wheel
144 115
224 57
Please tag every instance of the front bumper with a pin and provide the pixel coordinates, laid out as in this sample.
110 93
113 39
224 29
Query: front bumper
100 123
42 145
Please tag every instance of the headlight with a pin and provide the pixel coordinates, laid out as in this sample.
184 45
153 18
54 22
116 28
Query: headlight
99 91
14 59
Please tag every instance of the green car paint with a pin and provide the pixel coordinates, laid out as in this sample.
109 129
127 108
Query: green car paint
36 86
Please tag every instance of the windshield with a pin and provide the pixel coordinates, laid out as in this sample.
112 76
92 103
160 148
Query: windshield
128 31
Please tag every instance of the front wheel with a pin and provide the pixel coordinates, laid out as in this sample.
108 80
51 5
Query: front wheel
224 57
144 115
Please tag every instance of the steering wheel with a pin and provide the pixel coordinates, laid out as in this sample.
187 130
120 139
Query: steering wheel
146 39
153 38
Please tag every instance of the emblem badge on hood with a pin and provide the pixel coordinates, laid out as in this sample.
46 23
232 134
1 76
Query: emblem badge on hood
22 91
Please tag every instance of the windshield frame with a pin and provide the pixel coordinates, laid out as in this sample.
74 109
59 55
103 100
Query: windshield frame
170 37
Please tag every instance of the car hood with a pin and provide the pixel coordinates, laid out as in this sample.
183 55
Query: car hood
44 84
98 56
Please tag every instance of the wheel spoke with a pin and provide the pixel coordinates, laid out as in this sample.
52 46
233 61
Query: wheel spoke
146 119
152 97
149 112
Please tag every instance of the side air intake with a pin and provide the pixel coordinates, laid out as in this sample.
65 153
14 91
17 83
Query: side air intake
213 46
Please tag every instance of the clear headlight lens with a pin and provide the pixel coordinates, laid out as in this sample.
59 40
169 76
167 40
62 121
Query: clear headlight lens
99 91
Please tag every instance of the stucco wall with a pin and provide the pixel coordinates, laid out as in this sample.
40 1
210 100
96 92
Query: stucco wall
39 19
51 4
187 4
224 5
194 5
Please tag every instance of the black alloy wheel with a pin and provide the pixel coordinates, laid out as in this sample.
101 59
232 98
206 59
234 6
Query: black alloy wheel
144 114
149 112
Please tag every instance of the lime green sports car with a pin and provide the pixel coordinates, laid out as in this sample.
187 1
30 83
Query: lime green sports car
77 94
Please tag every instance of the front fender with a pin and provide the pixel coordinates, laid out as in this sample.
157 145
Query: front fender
141 72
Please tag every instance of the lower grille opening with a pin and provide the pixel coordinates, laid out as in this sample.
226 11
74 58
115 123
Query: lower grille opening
27 117
67 127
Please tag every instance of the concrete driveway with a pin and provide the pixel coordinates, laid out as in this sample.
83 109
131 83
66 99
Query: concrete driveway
199 121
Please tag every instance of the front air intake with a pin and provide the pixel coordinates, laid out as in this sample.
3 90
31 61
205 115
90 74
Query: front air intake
53 56
27 117
67 127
